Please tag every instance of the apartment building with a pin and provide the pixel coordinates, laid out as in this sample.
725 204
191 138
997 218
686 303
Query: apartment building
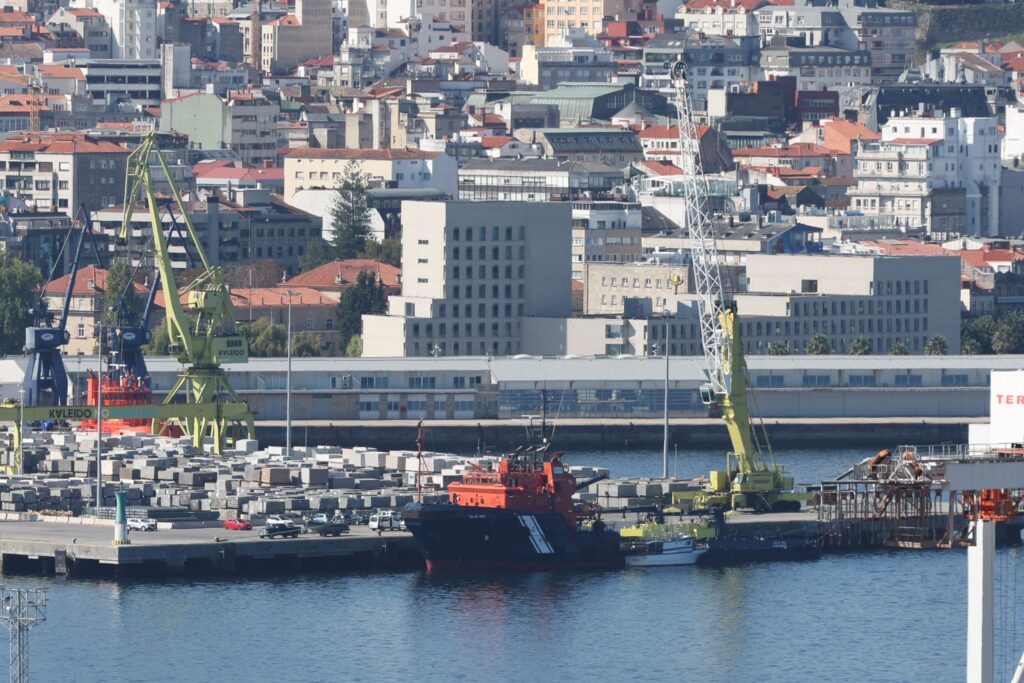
615 147
86 309
59 171
578 58
605 231
819 67
132 25
247 225
307 168
789 299
573 17
887 35
940 172
472 272
660 285
294 38
714 63
536 180
245 122
727 18
88 25
122 81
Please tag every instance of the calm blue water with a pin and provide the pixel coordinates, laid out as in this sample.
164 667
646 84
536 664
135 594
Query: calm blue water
887 616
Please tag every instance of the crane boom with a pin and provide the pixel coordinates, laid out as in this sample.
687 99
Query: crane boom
200 316
703 251
753 483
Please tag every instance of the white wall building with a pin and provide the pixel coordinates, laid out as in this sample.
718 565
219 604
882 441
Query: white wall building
472 272
132 26
921 160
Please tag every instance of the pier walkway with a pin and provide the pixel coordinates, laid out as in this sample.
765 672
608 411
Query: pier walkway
48 548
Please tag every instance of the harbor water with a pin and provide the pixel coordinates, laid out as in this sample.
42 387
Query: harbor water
878 616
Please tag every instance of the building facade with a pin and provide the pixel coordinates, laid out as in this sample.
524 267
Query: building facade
245 122
472 273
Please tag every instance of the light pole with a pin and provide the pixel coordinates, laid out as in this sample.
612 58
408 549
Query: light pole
288 385
664 444
99 420
19 465
22 609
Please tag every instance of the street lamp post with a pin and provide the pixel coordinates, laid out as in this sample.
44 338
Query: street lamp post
99 421
19 465
288 384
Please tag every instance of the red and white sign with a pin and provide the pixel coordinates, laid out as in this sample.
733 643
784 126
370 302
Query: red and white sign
1006 407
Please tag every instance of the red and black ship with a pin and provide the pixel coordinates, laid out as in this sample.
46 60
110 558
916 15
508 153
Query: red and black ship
520 516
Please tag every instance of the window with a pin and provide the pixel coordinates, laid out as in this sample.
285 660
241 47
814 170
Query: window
817 380
909 380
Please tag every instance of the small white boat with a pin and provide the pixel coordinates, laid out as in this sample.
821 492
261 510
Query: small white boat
672 552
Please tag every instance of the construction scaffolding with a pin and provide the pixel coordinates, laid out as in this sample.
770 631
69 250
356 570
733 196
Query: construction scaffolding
904 499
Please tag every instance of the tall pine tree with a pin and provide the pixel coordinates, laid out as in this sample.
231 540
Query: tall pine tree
350 214
367 296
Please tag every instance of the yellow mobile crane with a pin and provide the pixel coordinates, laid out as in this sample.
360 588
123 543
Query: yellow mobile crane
200 316
747 480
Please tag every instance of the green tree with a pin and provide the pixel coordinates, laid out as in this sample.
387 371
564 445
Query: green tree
861 346
970 347
818 345
159 340
266 339
778 349
317 254
976 334
19 282
118 278
355 346
305 344
936 346
365 297
899 349
350 214
1009 333
389 251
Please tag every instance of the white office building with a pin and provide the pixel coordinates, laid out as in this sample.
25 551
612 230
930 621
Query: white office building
471 273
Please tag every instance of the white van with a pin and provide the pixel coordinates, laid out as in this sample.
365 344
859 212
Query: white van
385 520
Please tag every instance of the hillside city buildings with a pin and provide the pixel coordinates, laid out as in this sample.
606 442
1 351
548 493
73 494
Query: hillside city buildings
523 167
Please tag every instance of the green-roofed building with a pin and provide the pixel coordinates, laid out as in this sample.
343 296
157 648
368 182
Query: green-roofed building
583 102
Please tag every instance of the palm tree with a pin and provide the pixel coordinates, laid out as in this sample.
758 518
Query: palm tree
778 349
936 346
818 345
861 346
899 349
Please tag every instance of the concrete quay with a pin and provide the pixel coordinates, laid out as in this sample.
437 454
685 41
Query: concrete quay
466 436
77 550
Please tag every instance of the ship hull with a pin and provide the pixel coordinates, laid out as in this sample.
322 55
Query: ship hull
743 550
455 538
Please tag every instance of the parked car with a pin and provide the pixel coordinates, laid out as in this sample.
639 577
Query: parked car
360 518
280 519
237 524
280 531
319 518
385 520
140 524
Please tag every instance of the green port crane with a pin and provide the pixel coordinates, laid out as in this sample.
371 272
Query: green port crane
200 316
748 481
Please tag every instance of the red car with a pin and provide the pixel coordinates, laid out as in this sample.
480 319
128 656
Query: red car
237 524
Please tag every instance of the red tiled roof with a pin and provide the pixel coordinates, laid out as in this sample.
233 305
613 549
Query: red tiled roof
747 5
60 143
495 141
797 149
359 154
661 167
60 71
327 275
90 280
840 133
902 247
83 12
984 258
915 141
225 169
